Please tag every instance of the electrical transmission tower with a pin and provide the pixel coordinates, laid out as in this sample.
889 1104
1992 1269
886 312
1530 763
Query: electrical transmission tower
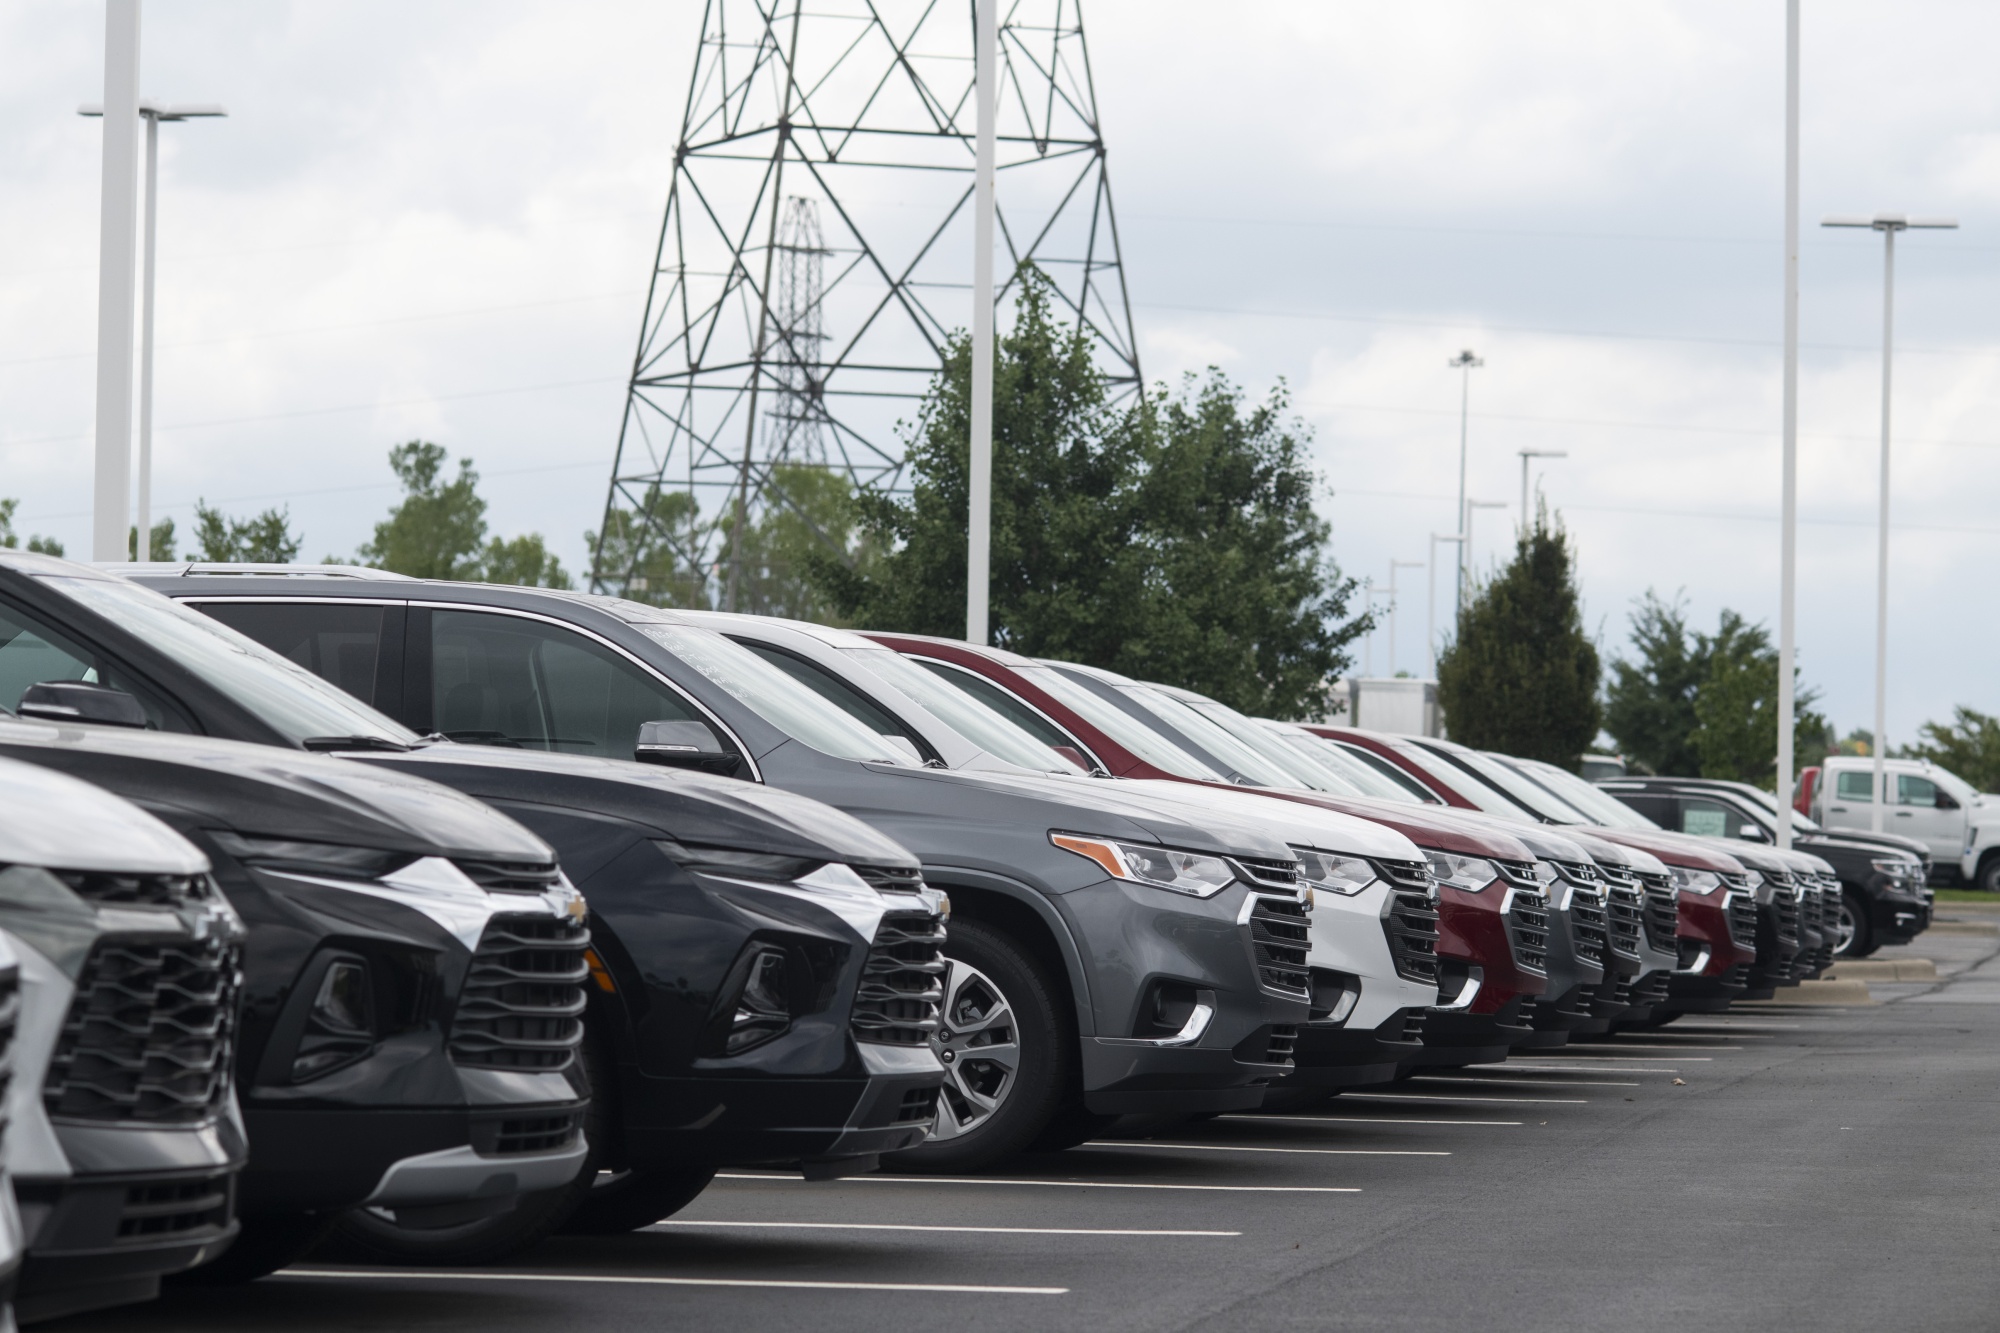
814 261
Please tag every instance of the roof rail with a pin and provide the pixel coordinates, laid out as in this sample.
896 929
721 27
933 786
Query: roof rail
195 568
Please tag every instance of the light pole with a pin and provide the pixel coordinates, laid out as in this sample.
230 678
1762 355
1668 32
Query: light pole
1527 454
1465 547
1888 224
979 480
1788 505
1431 619
1394 601
111 488
1465 363
152 113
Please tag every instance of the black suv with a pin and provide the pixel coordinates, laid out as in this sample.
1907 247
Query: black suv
1884 895
763 972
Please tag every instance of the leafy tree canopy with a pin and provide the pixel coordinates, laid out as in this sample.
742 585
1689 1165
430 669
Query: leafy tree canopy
1171 540
1968 745
438 530
267 539
11 540
1520 676
159 547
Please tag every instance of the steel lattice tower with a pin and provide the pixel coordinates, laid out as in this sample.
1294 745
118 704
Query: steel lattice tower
814 256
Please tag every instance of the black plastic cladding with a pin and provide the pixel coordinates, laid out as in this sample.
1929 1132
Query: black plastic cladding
149 1034
522 1004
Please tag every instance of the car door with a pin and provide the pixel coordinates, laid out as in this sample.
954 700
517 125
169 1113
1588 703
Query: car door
1847 805
1914 812
1710 818
356 645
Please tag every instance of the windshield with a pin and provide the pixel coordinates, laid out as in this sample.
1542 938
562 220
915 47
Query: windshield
1303 764
1769 803
1205 735
1458 781
286 697
771 694
1538 799
1128 731
991 732
1365 779
1602 807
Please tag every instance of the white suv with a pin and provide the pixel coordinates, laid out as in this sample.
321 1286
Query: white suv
1960 825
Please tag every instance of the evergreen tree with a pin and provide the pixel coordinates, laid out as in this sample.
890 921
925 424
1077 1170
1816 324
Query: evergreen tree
1649 705
1520 676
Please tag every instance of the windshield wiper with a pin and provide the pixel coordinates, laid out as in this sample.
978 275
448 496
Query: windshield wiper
320 743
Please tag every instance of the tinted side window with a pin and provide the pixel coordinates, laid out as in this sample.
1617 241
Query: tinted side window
339 642
1706 818
1659 809
1003 703
836 692
1853 786
504 680
31 652
1913 790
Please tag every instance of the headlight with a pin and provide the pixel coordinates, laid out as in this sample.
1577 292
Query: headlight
1703 882
1471 873
1191 873
1896 867
743 865
331 859
1344 875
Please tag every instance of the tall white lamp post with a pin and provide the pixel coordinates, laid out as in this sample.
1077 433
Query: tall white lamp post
1526 454
979 479
1431 618
1465 363
1888 224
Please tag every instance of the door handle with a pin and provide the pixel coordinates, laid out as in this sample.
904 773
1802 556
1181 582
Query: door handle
1838 809
1902 814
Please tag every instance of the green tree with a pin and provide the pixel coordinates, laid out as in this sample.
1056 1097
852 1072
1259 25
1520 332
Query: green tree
1737 709
808 514
1968 745
643 551
1174 542
438 530
266 539
1649 704
1520 675
161 547
10 540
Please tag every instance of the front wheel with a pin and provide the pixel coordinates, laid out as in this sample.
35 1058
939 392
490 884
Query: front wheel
1008 1051
1988 877
1856 935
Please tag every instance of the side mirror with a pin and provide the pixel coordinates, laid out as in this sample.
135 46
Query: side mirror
1946 801
691 744
78 701
1751 833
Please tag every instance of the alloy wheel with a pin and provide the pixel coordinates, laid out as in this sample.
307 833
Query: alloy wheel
1846 927
979 1046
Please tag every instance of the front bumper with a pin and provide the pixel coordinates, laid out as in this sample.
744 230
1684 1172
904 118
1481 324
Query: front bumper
1471 1038
1333 1056
1898 919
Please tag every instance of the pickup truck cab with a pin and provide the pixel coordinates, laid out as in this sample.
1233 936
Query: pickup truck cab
1958 824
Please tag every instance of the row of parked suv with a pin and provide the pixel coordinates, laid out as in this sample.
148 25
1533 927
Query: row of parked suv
340 918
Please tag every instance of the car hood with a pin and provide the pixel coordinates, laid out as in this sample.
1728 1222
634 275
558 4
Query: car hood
672 803
1544 841
267 791
59 822
1676 849
1429 827
1861 841
1299 824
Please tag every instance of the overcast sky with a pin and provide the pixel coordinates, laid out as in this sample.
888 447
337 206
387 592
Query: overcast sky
437 220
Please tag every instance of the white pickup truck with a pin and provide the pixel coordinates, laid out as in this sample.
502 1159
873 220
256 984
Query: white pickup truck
1959 824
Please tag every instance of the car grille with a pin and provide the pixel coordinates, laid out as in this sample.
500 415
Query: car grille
10 1022
1263 870
1627 919
150 890
1410 920
1740 883
1618 877
1413 1026
1742 921
1577 872
149 1035
515 1135
1663 913
1587 927
902 981
1412 875
892 879
1528 930
522 1003
1652 989
1284 1040
1785 917
1617 991
1279 939
1518 872
1737 976
510 876
174 1208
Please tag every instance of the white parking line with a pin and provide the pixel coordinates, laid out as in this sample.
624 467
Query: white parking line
1419 1097
1056 1184
1576 1069
1429 1080
378 1274
1367 1120
1592 1052
1231 1147
905 1226
1561 1055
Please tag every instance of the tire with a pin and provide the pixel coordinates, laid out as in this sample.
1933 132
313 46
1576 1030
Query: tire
1988 878
265 1245
373 1236
1000 1004
629 1200
1857 936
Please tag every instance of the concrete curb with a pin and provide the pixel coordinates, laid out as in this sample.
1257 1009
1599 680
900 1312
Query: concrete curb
1963 928
1817 992
1870 969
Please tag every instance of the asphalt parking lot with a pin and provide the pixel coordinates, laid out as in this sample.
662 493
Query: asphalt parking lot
1793 1166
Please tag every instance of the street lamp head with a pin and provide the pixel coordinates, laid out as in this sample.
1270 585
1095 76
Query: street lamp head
1465 360
152 110
1543 453
1891 222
